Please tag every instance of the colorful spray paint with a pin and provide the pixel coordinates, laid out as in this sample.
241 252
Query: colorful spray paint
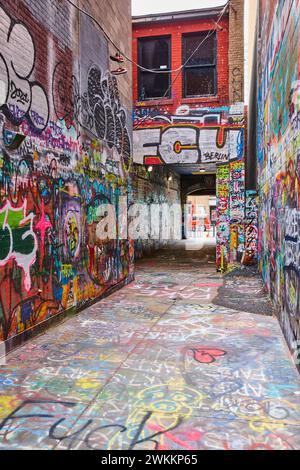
279 161
208 136
74 156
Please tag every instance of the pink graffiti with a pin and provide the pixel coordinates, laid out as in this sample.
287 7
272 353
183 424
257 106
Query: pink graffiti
207 355
207 285
43 226
191 435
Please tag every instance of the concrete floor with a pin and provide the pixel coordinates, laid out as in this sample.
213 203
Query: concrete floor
156 365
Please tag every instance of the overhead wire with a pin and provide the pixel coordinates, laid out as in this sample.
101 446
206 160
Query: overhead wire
160 102
178 70
145 69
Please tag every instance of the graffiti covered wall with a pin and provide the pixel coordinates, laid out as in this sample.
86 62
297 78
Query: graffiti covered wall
154 189
251 224
279 160
65 150
200 135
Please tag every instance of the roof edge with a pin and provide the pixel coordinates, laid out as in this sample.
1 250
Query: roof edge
178 15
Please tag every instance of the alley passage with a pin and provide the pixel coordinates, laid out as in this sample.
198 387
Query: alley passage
156 365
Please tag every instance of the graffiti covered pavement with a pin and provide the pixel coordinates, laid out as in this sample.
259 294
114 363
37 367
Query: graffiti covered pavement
155 366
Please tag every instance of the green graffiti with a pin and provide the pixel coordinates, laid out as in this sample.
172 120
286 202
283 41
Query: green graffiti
4 238
17 239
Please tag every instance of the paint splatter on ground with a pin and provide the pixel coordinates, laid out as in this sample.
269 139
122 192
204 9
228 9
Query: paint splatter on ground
169 370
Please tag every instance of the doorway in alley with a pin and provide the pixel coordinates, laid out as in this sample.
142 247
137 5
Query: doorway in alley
198 195
203 216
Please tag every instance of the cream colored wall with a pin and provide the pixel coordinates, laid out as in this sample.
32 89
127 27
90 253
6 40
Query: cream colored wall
253 4
250 26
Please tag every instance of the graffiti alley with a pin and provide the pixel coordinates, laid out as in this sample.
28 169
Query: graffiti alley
157 365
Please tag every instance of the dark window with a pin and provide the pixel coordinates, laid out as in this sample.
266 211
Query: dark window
154 54
200 71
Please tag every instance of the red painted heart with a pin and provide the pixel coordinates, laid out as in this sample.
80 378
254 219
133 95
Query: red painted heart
207 355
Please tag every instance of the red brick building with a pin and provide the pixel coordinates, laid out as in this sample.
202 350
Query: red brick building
176 35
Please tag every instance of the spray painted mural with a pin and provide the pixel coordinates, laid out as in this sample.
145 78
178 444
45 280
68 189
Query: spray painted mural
65 150
251 227
279 161
202 135
153 189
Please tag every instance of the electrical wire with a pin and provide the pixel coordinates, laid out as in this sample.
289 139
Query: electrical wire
159 103
178 70
131 60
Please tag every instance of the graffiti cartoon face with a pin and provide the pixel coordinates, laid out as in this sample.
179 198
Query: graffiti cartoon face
72 234
157 410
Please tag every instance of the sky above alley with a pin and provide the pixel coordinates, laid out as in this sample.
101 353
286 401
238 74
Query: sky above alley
143 7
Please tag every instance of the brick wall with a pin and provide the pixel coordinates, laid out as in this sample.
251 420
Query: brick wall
176 29
114 16
65 149
154 188
236 51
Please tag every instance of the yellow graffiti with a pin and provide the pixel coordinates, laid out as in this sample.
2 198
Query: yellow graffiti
7 405
87 383
167 403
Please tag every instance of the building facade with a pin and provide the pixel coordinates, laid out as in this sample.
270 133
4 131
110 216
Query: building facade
65 152
278 147
188 94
